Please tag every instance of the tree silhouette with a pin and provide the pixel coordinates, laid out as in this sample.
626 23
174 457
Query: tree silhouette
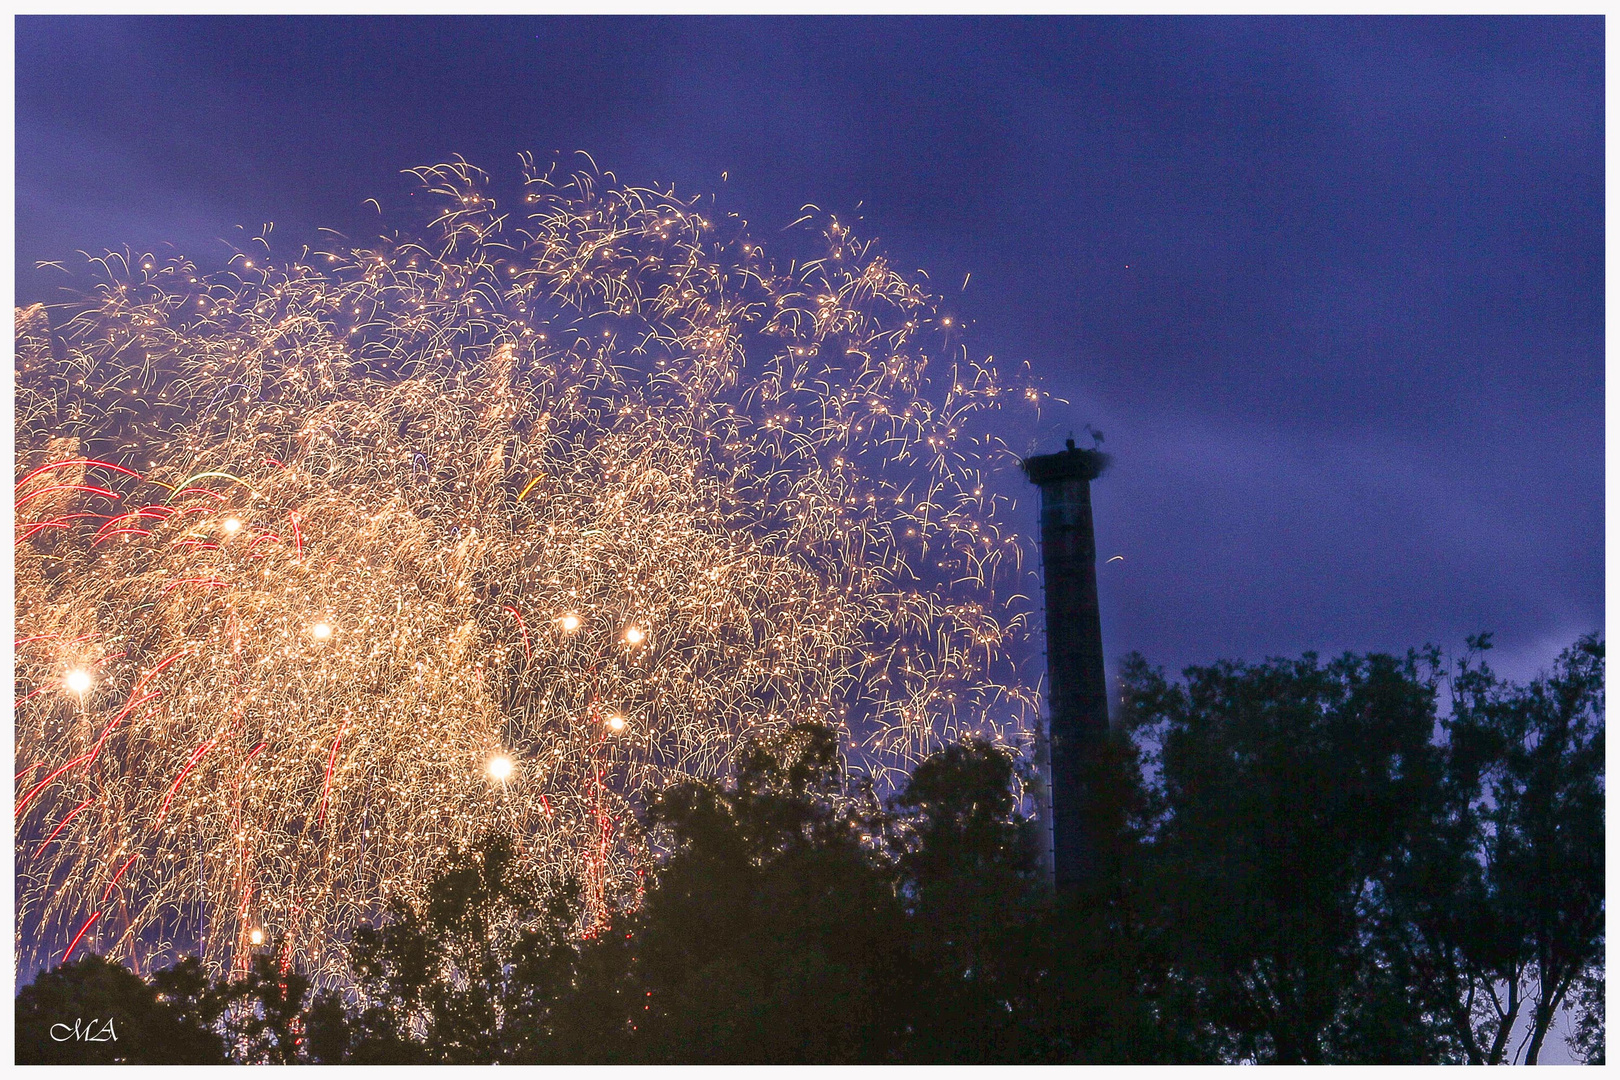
1296 861
264 1012
1534 783
1286 794
66 1014
771 932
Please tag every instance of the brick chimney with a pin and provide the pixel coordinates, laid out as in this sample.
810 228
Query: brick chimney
1076 683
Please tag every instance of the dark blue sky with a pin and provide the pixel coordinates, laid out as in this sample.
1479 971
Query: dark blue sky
1332 288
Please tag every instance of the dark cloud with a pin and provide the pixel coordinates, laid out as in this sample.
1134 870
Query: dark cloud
1333 288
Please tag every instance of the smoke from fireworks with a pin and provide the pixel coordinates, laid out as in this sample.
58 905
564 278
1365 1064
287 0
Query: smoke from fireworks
324 566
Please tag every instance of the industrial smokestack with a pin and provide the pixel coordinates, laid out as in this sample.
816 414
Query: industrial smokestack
1076 687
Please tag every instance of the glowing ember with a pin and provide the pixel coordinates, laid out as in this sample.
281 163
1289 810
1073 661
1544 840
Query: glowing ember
501 767
78 681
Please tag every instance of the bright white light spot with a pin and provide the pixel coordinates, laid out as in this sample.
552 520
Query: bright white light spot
255 936
616 723
570 622
231 524
78 680
321 631
500 767
634 636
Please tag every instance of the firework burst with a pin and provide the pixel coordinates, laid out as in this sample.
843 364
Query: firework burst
324 566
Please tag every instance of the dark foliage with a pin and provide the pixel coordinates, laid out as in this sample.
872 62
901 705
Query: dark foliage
1285 795
1338 874
1529 790
772 933
1298 862
94 1012
263 1013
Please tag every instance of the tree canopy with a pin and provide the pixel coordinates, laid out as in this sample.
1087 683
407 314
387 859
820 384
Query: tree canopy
1369 859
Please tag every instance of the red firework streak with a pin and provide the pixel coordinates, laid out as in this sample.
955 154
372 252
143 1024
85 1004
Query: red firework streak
135 700
91 488
524 629
73 814
77 461
60 522
108 891
135 516
599 886
239 964
241 954
287 943
240 776
198 491
596 863
36 637
326 788
196 756
127 709
74 944
165 662
22 804
121 532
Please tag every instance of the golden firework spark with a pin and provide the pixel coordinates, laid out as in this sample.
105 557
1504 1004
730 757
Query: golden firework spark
309 554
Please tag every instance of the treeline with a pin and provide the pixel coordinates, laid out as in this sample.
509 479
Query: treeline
1300 862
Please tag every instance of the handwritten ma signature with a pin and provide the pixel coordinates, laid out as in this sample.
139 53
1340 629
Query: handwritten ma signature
81 1031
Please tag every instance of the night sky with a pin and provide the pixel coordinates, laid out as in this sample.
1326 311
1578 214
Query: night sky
1333 289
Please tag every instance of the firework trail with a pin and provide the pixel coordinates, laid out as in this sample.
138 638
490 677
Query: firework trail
325 566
